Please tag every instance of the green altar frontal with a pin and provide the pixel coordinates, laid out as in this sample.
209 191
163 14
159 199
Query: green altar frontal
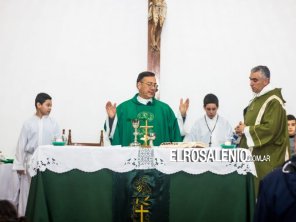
78 196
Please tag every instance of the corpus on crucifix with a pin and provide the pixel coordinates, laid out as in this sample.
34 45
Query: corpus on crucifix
157 14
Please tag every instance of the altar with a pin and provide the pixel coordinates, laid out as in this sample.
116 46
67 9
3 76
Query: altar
75 183
9 183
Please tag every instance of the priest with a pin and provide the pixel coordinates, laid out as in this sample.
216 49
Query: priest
144 107
142 195
265 129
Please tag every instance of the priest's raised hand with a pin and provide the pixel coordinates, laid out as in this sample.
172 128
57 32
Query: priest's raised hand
111 109
183 107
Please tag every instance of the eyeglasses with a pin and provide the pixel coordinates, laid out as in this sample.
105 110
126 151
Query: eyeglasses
151 84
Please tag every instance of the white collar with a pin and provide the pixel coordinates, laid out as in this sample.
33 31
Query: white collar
213 119
265 90
143 101
43 117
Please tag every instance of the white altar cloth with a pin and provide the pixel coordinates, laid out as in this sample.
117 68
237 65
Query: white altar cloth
9 183
124 159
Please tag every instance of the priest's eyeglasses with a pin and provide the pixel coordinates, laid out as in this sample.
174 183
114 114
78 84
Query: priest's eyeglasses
150 84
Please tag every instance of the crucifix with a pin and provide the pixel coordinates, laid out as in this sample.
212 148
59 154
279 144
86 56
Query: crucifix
142 211
157 12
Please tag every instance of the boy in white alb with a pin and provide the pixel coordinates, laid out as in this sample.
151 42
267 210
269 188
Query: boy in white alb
211 129
40 129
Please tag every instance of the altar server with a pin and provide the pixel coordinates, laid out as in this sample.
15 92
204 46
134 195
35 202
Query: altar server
211 129
38 130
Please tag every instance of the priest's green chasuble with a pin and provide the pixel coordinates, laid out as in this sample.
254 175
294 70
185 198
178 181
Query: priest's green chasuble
159 115
268 130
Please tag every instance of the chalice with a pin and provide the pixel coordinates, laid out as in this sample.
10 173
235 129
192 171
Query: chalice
135 124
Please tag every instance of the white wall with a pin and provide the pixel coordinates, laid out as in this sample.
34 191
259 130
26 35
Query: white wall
85 52
81 52
211 45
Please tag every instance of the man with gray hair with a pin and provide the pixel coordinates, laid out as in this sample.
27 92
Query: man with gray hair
265 129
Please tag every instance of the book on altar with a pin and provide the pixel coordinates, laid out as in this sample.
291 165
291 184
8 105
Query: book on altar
183 145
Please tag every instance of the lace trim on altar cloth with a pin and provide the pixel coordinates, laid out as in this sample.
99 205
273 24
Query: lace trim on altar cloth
145 160
42 165
125 159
